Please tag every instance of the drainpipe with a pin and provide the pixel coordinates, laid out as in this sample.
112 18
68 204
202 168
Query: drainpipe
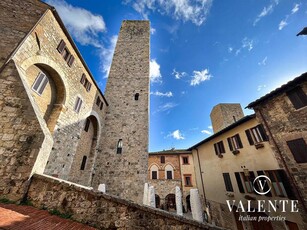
283 162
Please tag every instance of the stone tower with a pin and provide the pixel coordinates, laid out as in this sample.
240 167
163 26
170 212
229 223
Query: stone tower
224 114
122 161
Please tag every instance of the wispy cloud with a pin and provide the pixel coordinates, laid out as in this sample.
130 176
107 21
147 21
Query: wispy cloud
152 30
260 87
160 94
247 44
83 25
178 75
106 55
200 76
284 22
267 10
195 11
155 74
263 62
166 107
230 49
206 132
210 127
176 135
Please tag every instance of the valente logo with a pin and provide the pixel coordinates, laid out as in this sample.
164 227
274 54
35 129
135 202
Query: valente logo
262 185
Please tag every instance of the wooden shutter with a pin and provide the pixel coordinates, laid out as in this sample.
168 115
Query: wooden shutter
227 182
230 144
221 145
83 79
61 46
239 141
298 149
70 60
297 97
249 137
239 182
88 86
282 177
162 159
216 149
263 133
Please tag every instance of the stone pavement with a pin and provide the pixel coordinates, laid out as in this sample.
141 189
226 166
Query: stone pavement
16 217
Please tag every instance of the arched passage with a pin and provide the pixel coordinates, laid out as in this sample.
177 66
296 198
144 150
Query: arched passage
170 202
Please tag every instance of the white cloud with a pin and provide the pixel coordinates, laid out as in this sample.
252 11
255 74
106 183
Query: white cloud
230 49
206 132
195 11
210 127
157 93
295 8
83 25
263 62
267 10
247 43
260 87
178 75
106 55
177 135
155 74
284 22
166 107
152 30
200 76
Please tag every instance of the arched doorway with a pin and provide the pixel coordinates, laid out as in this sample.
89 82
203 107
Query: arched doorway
170 202
48 91
188 203
157 198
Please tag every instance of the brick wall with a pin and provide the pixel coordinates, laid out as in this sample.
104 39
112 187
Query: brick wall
172 160
100 210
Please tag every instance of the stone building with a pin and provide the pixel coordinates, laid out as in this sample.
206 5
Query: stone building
54 119
283 112
168 169
226 165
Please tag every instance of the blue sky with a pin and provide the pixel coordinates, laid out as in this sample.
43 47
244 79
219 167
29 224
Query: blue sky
203 52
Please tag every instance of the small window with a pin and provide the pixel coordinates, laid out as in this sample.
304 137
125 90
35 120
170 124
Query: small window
185 160
187 180
154 175
40 83
101 106
169 175
247 183
234 142
256 134
83 163
87 125
61 46
219 148
119 146
162 159
63 50
78 105
85 82
227 181
297 97
136 96
83 78
239 182
98 101
298 149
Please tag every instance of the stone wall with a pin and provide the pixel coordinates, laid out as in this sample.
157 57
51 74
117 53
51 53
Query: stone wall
286 123
21 136
127 117
100 210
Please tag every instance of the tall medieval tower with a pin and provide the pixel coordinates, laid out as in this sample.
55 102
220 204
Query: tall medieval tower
122 162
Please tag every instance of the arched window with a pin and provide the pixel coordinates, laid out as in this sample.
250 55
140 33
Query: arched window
83 163
169 172
154 172
136 96
119 146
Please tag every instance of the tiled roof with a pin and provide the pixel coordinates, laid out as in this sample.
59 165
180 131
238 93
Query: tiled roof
171 152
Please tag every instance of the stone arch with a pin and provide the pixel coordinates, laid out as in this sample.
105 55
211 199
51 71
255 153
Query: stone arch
169 168
53 103
170 202
168 163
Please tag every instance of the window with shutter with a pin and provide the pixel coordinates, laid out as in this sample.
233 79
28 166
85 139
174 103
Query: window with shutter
298 149
249 137
187 180
61 46
239 182
162 159
185 160
219 148
234 142
101 105
71 60
227 181
40 83
297 97
83 78
266 186
98 101
78 104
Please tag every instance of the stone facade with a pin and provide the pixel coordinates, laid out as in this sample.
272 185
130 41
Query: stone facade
103 211
223 115
285 123
123 168
217 175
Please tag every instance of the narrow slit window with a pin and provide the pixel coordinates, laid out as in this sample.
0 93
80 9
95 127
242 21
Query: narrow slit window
136 96
119 146
40 83
83 163
78 105
87 125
